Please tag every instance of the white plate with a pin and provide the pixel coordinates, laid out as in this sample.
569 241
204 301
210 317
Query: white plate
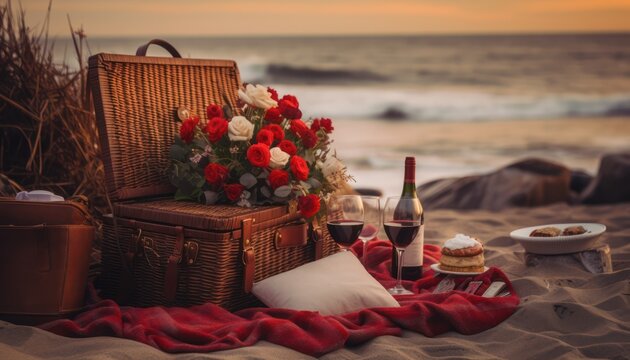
436 268
564 244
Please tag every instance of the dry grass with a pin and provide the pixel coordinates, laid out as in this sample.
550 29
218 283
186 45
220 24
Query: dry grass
48 136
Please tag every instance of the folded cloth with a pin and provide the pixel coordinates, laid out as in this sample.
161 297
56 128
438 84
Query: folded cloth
37 195
208 327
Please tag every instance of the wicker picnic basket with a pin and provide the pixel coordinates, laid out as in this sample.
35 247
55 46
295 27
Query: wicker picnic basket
158 251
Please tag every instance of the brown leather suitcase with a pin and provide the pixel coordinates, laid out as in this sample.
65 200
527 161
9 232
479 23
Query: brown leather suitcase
44 257
159 251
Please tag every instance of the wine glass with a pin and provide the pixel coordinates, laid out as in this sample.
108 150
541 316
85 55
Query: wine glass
371 222
402 218
344 218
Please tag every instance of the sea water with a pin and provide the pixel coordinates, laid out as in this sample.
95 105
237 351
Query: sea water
424 79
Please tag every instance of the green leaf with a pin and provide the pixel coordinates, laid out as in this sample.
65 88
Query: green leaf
201 143
178 153
316 184
282 191
201 182
227 110
265 191
248 180
210 197
180 195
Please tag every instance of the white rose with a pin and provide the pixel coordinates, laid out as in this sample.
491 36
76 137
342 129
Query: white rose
257 96
331 166
278 158
240 129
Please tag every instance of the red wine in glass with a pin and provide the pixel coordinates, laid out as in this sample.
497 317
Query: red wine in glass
345 232
402 220
401 233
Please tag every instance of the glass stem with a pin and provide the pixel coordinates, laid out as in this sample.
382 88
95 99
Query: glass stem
399 272
364 255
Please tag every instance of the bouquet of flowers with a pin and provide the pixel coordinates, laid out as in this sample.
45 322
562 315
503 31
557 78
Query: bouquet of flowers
260 153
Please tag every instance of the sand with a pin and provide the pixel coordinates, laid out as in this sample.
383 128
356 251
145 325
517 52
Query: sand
374 149
565 312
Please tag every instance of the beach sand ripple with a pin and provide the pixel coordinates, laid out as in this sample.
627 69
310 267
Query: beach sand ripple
565 313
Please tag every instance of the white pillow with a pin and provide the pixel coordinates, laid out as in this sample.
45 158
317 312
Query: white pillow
334 285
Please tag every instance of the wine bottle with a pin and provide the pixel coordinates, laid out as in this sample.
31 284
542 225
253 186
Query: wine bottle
412 260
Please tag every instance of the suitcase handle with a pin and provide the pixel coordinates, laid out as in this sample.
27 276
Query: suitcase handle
142 50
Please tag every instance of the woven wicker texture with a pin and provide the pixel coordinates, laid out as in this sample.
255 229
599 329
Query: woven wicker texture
198 216
217 274
135 99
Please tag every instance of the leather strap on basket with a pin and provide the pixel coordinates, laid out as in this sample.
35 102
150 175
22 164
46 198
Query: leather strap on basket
133 246
318 238
142 50
170 284
126 285
293 235
248 256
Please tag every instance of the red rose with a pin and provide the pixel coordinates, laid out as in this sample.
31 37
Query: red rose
323 123
273 92
309 139
278 133
288 147
213 111
187 130
216 128
298 127
233 191
258 155
327 125
308 205
299 168
216 174
273 115
290 107
265 137
278 178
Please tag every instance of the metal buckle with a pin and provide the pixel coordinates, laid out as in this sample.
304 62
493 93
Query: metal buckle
191 249
148 244
245 252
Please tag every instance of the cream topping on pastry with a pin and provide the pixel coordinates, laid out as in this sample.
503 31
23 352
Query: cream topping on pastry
460 241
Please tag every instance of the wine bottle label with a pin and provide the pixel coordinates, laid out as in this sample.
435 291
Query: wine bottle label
413 252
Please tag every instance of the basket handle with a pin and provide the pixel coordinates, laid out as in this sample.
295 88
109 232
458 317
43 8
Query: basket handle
142 50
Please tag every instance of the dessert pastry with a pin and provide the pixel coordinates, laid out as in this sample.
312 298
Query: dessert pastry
574 230
549 231
462 254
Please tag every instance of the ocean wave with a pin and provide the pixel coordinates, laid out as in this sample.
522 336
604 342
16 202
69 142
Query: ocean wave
442 105
288 74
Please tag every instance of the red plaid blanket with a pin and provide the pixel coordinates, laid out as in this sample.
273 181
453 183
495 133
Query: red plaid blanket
208 327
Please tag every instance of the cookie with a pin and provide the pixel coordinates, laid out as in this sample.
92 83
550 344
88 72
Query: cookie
574 230
549 231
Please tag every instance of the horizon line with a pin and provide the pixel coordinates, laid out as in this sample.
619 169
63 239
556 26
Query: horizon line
356 35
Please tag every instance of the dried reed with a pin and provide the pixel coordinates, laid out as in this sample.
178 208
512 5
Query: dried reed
48 137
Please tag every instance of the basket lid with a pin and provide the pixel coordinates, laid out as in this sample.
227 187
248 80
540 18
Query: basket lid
136 99
199 216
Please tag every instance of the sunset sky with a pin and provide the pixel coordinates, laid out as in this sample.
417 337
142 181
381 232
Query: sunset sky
326 17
